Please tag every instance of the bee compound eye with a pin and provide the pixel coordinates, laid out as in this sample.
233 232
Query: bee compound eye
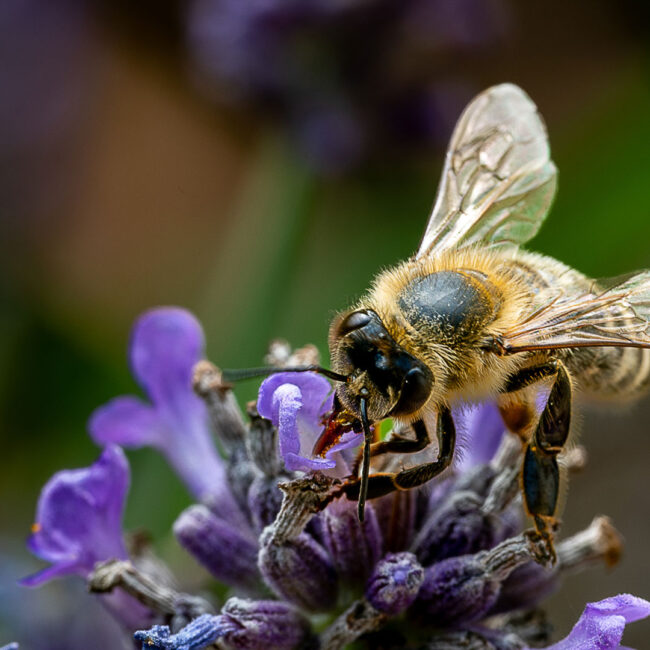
354 321
416 388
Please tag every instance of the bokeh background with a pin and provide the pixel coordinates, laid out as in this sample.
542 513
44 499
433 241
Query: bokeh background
257 162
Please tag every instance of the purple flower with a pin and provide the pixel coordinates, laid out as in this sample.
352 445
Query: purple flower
79 518
79 523
602 624
166 343
297 403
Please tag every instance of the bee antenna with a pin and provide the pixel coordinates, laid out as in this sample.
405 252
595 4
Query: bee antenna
231 375
365 461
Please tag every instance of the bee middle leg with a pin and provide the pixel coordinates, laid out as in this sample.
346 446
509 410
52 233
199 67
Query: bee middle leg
381 484
541 475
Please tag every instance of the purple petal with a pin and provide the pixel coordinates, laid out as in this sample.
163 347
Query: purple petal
480 429
315 394
602 624
299 570
296 403
126 421
79 517
166 343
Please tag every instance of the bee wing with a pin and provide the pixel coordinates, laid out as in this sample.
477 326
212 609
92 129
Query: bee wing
498 180
618 316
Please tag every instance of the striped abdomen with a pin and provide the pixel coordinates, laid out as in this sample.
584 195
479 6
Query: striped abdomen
600 372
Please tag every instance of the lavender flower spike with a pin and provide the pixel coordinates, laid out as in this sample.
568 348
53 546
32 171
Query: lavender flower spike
602 624
79 518
165 345
296 403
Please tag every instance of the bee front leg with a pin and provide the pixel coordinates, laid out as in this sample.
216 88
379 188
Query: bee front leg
384 483
421 474
541 475
398 445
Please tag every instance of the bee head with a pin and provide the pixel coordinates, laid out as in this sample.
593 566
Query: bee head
392 381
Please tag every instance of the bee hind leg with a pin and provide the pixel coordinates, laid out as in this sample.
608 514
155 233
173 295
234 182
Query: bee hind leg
384 483
541 475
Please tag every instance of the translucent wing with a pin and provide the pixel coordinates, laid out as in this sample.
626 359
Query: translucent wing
618 316
498 180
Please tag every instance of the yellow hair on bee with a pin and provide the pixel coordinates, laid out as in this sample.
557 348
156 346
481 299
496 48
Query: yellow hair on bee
462 369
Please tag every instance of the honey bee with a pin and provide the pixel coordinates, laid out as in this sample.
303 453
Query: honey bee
473 316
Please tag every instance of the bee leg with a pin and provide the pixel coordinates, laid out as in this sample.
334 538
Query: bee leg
398 445
421 474
378 486
381 484
541 475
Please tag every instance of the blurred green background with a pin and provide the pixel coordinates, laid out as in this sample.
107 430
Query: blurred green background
125 184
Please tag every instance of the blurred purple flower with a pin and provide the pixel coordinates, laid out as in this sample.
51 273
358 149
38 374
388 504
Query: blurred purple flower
297 403
79 523
79 518
347 79
166 343
49 63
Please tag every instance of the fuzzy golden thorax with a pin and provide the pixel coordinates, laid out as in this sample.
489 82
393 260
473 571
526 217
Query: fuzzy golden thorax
457 356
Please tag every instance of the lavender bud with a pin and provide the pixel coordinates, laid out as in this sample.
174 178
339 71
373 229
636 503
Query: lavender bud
354 547
395 582
264 501
458 527
298 570
224 551
292 563
262 443
463 589
263 625
397 514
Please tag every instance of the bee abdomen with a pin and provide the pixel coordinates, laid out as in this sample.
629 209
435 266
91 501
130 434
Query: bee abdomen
612 371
